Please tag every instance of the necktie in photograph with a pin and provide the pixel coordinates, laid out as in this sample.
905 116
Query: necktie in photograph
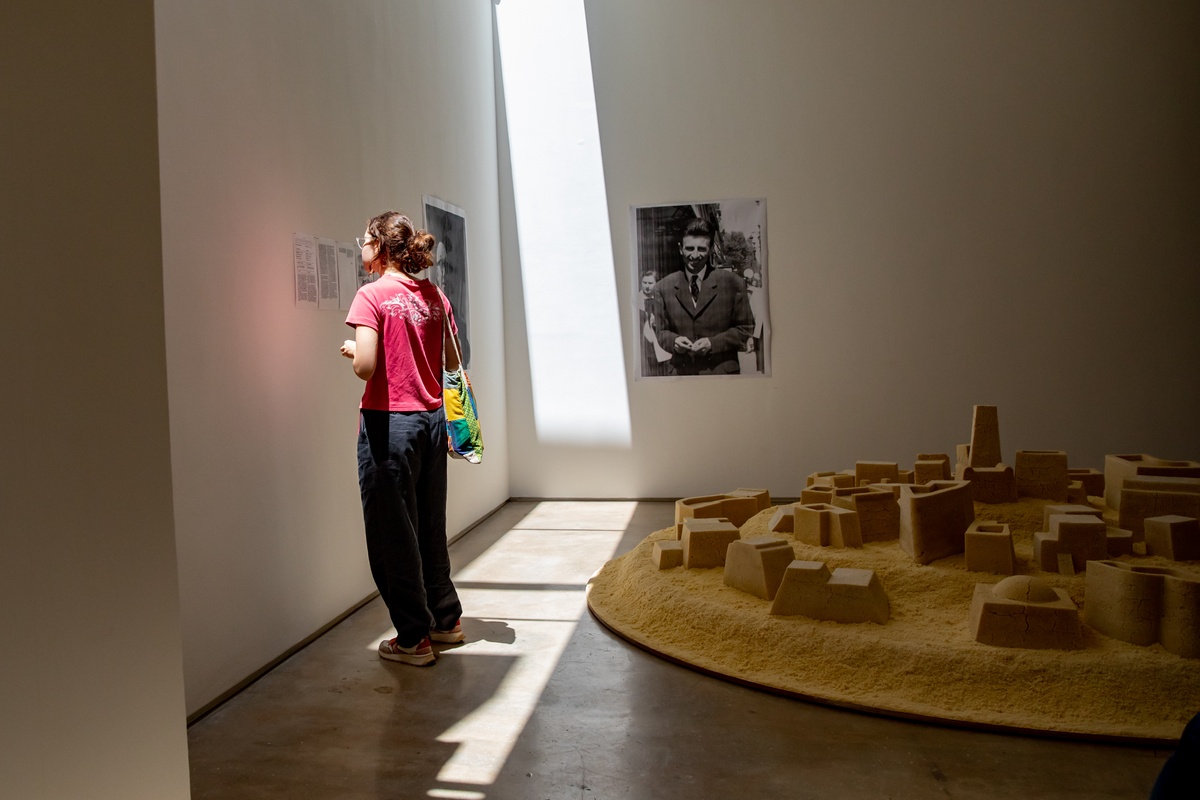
695 287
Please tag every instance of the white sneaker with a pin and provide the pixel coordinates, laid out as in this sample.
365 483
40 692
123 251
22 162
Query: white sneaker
419 655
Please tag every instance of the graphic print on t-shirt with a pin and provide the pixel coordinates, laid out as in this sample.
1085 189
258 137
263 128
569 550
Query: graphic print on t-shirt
411 308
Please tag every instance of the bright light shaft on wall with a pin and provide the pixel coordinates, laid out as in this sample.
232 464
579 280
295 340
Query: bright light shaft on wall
575 357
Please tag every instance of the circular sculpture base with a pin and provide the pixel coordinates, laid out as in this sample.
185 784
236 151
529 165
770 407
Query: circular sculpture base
923 664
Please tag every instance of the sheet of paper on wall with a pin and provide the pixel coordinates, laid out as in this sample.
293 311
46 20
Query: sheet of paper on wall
351 274
304 262
327 273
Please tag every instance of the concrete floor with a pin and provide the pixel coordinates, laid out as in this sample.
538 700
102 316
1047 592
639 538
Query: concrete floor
542 702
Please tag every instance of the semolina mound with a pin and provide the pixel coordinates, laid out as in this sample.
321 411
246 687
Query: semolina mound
924 662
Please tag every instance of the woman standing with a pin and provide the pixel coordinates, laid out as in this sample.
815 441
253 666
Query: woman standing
401 323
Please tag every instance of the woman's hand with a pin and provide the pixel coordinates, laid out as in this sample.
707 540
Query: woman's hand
348 347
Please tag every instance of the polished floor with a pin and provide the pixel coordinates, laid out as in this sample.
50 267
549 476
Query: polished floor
543 703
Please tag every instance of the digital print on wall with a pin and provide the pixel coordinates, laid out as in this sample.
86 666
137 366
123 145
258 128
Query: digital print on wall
700 289
448 224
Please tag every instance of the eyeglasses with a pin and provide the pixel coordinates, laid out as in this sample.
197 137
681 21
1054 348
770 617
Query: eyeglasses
361 242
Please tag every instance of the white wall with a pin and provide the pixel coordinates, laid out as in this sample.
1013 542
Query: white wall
91 681
278 118
968 203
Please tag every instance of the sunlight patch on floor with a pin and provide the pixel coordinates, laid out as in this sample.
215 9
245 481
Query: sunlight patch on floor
486 736
532 566
531 580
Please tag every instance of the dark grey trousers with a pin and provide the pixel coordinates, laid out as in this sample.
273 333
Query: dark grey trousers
402 479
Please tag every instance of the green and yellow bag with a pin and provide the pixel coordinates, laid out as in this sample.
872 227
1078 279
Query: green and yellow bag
464 439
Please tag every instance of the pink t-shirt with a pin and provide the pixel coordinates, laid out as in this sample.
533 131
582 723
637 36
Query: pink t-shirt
407 313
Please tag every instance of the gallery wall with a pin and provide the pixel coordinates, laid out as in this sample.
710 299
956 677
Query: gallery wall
967 204
277 120
91 684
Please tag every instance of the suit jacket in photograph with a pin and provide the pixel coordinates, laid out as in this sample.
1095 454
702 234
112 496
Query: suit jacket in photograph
721 314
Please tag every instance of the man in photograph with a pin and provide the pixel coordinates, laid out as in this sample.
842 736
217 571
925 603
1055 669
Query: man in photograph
705 312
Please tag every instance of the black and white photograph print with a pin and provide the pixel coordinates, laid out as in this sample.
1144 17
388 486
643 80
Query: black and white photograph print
700 289
448 224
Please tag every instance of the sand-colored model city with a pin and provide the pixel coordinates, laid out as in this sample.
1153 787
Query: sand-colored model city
930 512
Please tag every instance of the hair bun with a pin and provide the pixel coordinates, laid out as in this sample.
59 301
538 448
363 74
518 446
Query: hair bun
418 253
400 243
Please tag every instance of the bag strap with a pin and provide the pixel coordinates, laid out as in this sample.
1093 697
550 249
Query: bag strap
446 329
